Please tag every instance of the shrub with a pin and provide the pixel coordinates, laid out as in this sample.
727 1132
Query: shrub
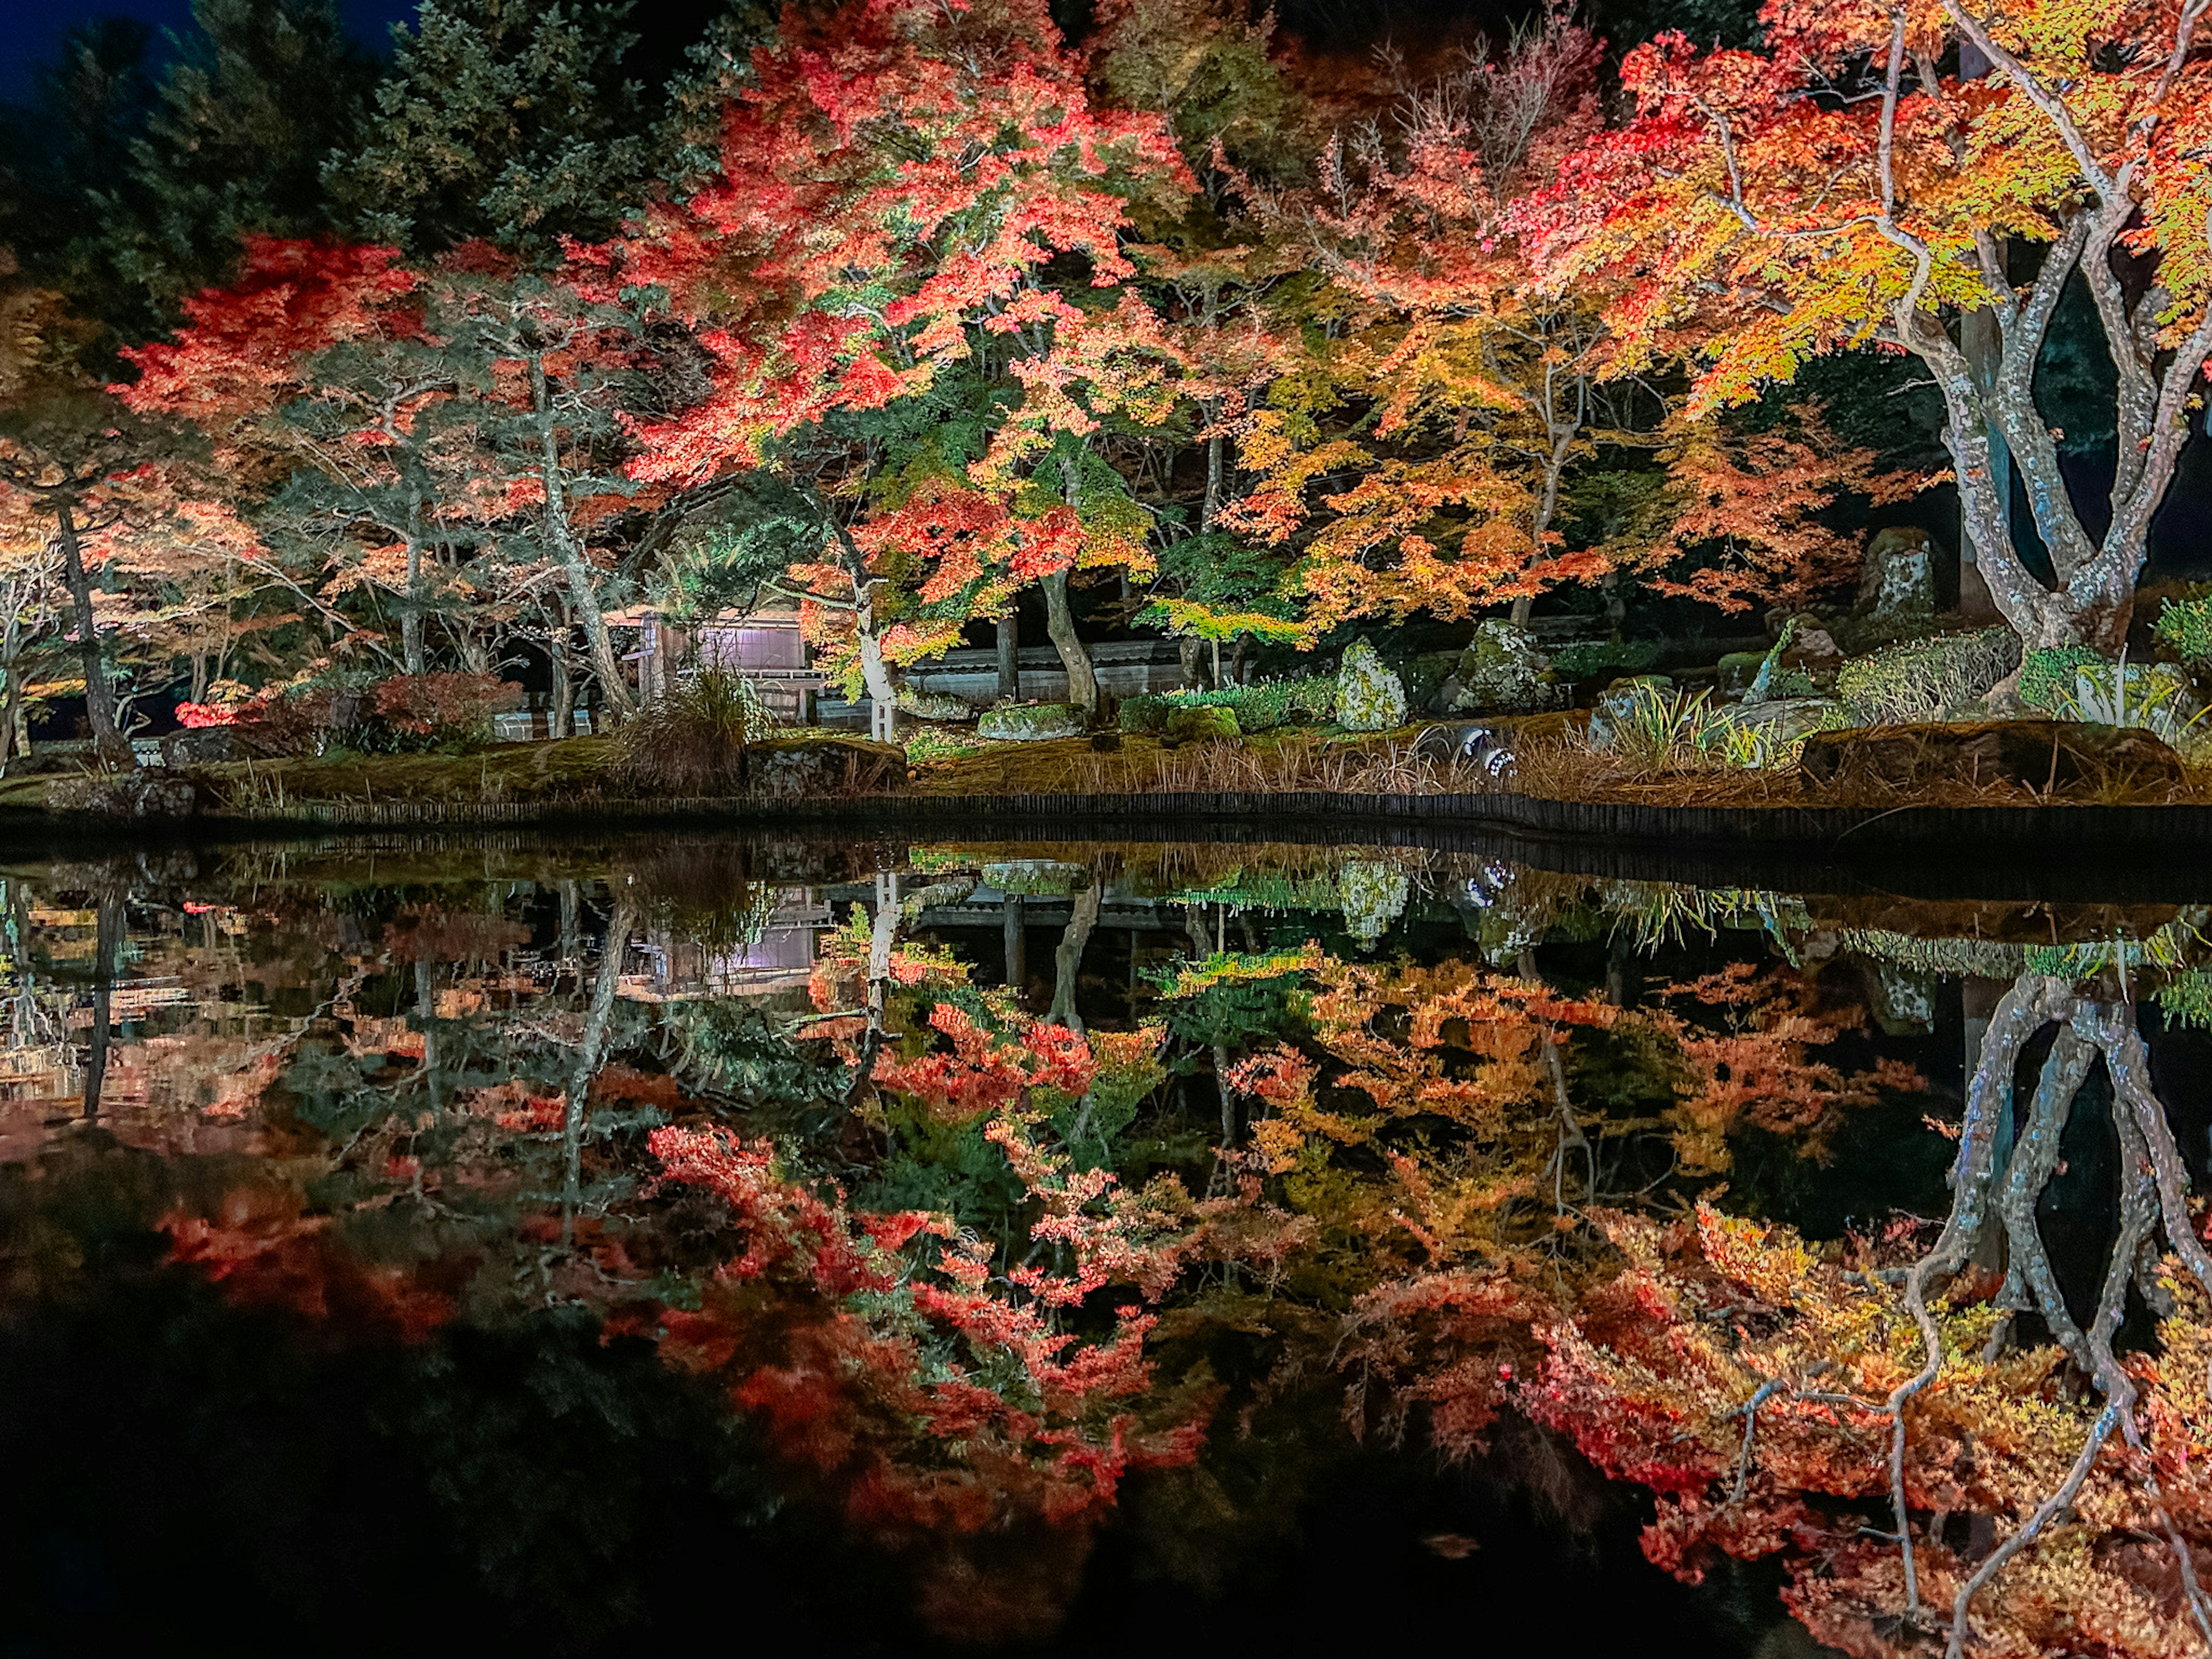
1260 708
2184 627
1926 679
404 715
693 741
1585 659
1032 722
1204 723
2047 677
410 713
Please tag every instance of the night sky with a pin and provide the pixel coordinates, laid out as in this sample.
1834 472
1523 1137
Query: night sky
31 30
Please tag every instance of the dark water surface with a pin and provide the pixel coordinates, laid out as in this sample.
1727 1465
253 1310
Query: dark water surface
553 1246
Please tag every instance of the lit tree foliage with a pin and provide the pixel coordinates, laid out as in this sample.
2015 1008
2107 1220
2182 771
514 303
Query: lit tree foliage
1838 187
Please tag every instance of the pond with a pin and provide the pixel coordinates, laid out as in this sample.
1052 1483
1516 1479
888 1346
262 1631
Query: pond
1061 1247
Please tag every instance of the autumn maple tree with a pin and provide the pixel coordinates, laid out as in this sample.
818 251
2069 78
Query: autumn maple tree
1420 453
1845 185
909 276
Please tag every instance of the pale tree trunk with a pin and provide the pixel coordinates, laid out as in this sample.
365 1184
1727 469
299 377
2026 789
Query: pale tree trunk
568 553
114 750
2093 600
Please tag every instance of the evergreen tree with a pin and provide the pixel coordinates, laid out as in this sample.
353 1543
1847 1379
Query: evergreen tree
259 96
68 140
512 121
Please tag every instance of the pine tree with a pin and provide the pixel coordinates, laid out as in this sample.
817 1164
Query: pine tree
509 121
259 96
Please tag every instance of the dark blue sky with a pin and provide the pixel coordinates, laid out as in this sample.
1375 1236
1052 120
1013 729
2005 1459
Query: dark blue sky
31 30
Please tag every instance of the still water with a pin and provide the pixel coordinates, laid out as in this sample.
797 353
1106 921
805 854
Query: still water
1091 1247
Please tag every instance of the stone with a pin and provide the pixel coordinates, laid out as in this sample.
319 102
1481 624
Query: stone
1033 722
1369 696
1814 652
1458 744
1501 672
1778 720
1614 701
2061 758
934 705
786 768
1897 580
1204 722
146 792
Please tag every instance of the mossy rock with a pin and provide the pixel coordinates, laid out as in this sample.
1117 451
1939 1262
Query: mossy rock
785 767
1147 713
1501 672
1369 696
934 705
1033 722
1206 723
1737 671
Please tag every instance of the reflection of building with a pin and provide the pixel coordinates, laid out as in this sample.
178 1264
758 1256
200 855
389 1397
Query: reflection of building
779 958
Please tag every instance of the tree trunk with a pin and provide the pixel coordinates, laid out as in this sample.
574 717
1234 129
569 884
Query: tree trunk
1192 651
410 612
114 750
560 534
1010 660
1060 623
564 681
11 684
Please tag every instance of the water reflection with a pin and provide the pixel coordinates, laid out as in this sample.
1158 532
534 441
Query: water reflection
1010 1197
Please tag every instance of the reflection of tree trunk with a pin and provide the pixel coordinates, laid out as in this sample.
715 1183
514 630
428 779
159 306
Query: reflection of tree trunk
1067 959
883 939
99 691
2153 1184
426 1016
1060 623
588 1049
1194 925
1014 928
107 948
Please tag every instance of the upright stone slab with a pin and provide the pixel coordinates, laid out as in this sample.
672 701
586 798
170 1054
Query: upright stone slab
1369 696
